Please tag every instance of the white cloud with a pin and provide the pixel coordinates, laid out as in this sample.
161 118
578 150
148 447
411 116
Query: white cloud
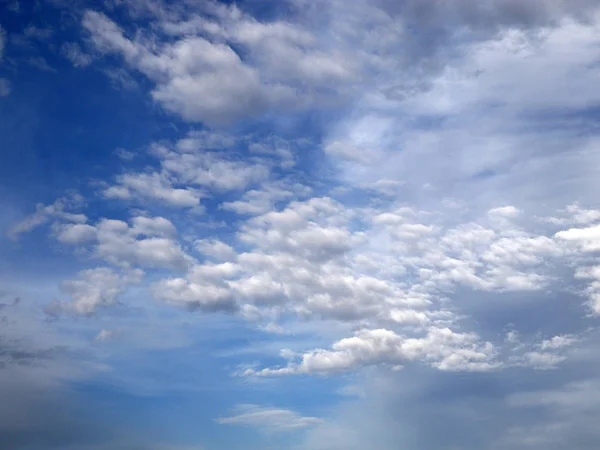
147 242
275 147
449 151
188 167
440 347
153 226
73 52
593 289
269 419
124 155
75 233
105 335
153 186
200 77
206 287
94 289
212 170
377 269
508 212
216 249
587 238
119 244
273 328
263 200
57 210
558 342
543 360
574 214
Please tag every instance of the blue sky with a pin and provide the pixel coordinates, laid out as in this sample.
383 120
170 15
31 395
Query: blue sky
299 224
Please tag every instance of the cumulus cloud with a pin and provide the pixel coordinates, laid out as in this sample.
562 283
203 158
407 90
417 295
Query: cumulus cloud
216 249
200 77
153 186
441 347
262 200
57 210
381 270
94 289
587 238
194 167
145 242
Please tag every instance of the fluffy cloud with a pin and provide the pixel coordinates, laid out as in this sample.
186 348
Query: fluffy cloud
204 288
153 186
593 289
378 269
195 164
57 210
94 289
146 242
263 200
440 347
201 77
587 238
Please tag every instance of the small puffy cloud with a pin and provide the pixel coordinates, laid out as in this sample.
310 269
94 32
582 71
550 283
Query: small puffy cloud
268 419
558 342
73 52
205 288
261 201
588 239
57 210
507 212
152 186
75 233
145 242
189 167
543 360
153 226
94 289
216 249
212 170
105 335
574 214
275 147
593 289
124 155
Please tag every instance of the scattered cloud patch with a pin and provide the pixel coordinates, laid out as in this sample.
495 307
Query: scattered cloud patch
268 419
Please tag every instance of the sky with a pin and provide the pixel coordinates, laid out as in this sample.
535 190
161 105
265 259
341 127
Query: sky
299 224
